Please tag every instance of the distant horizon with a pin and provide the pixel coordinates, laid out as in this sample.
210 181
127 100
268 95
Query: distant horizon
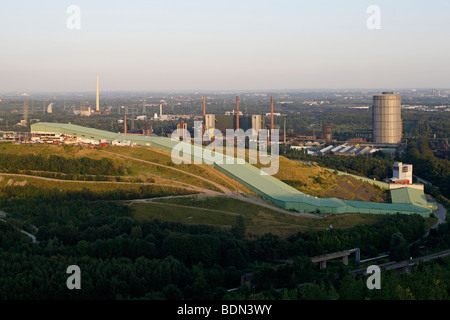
205 91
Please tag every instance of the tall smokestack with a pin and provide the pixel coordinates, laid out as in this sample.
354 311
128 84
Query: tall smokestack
97 107
271 112
160 108
237 111
204 115
125 124
25 111
204 108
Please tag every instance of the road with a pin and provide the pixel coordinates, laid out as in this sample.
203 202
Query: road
33 238
440 213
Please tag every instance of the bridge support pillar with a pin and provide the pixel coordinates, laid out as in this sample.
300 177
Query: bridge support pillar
323 264
345 260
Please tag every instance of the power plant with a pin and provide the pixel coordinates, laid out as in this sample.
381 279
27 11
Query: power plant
386 118
236 120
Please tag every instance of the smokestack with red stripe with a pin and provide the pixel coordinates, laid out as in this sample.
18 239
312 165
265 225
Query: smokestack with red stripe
204 115
204 109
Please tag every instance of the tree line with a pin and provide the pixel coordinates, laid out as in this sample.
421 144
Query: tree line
13 163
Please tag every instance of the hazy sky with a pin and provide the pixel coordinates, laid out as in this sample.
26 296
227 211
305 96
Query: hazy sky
223 45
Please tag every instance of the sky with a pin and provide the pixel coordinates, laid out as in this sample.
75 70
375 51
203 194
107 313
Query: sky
215 45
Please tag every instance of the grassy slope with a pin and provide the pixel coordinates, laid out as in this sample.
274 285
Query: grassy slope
222 212
319 182
161 174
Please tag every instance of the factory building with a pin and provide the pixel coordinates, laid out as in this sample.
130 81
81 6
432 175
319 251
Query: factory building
82 111
224 122
402 173
234 120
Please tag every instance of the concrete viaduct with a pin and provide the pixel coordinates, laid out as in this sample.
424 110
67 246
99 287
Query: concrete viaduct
322 259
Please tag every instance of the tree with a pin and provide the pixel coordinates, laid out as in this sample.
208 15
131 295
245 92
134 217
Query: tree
136 232
315 291
352 289
399 249
82 247
239 228
172 292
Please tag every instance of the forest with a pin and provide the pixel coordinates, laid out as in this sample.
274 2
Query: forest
427 165
124 258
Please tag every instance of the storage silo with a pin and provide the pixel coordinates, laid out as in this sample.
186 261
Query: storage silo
386 118
256 123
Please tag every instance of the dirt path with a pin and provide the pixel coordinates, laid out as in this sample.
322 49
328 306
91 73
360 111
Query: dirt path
254 200
278 224
174 184
219 186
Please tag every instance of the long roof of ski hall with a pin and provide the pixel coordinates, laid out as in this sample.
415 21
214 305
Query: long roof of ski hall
404 200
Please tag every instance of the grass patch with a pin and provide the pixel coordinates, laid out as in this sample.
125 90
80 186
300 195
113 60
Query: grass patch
318 182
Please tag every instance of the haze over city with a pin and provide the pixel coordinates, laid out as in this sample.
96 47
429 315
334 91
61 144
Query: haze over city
232 45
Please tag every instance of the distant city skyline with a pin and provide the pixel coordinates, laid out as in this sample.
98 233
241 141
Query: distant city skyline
230 45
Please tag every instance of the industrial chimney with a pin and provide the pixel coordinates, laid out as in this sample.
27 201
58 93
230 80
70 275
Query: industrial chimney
97 107
271 113
237 113
204 108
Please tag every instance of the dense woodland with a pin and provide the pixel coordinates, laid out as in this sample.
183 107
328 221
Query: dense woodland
123 258
427 165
